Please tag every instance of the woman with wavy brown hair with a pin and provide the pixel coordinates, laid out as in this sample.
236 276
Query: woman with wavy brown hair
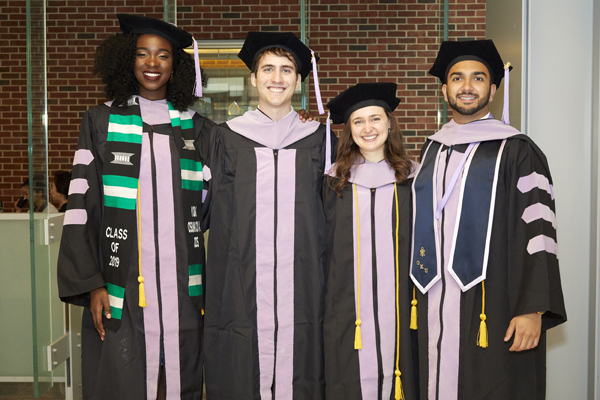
368 352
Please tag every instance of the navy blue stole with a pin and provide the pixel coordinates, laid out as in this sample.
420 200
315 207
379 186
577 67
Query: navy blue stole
470 245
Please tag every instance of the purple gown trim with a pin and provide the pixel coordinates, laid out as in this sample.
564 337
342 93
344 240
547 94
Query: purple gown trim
539 211
150 313
369 175
83 157
286 202
78 186
75 217
265 250
367 357
482 130
448 388
154 112
542 243
535 180
167 263
256 126
386 281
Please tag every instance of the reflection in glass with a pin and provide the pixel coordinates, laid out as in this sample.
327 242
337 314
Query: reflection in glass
229 93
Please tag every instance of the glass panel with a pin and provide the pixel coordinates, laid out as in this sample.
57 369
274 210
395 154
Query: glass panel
229 93
170 11
41 275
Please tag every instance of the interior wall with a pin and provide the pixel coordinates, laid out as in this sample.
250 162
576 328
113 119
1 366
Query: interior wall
560 61
504 27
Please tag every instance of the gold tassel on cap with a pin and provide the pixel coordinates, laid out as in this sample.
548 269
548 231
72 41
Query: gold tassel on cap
142 300
413 311
482 336
357 333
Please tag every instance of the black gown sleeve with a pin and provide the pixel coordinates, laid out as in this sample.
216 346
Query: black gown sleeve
214 162
533 273
79 257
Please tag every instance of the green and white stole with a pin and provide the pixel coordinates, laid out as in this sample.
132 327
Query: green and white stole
120 176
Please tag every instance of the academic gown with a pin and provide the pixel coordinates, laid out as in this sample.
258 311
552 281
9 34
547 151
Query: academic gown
265 275
368 373
522 275
169 330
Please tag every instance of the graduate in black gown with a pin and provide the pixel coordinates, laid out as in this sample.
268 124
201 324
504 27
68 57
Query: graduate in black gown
265 274
132 250
367 202
484 255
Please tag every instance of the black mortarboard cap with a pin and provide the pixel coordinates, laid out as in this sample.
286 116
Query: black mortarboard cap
362 95
257 42
140 25
483 51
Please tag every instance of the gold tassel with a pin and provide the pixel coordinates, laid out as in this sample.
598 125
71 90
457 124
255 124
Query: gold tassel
482 336
357 333
399 393
413 312
357 336
143 302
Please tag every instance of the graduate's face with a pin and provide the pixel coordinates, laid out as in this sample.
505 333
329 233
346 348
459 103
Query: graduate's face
370 128
468 90
25 192
276 80
153 66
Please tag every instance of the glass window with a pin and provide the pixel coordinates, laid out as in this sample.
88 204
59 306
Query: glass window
229 93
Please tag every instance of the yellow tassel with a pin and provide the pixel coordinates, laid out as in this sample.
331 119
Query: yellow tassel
202 311
142 300
399 394
142 292
482 336
413 312
357 336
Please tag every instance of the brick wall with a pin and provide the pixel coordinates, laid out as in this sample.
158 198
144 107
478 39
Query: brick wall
358 41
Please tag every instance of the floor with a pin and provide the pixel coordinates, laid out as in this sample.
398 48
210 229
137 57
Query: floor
24 391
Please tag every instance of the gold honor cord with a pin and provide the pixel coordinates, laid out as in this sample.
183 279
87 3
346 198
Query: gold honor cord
142 300
357 333
399 393
482 336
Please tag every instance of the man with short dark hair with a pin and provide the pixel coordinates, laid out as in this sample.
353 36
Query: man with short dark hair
484 255
265 278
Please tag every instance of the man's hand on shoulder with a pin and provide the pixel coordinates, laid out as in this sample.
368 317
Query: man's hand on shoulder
305 116
526 329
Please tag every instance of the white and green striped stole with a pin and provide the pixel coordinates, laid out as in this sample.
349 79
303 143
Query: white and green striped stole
125 128
115 298
195 283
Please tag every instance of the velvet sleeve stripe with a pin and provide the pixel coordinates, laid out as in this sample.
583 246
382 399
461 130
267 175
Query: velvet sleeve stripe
78 186
83 157
75 217
542 243
539 211
535 180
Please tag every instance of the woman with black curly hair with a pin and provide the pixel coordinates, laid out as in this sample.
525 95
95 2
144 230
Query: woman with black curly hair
132 248
367 200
